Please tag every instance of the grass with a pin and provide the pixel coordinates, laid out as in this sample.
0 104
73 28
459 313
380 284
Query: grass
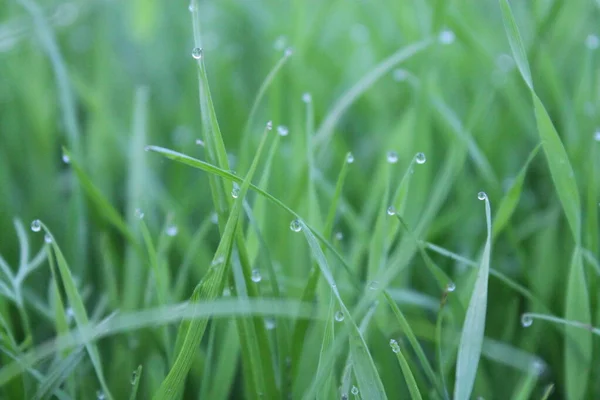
189 249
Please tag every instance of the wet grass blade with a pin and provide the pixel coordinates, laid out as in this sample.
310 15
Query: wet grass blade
369 382
471 340
511 199
328 387
59 373
135 383
209 288
79 312
408 376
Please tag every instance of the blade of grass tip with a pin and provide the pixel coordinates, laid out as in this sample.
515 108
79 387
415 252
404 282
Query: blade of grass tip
161 275
366 373
558 161
511 199
578 346
135 382
377 249
309 291
79 312
408 376
471 339
327 391
208 289
245 142
412 339
325 131
59 373
195 163
548 391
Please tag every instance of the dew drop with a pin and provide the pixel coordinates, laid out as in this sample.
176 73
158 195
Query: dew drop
139 214
339 236
70 313
235 192
307 98
197 53
191 7
349 158
214 218
256 277
269 324
226 292
282 130
526 320
592 42
450 287
391 211
288 52
134 377
36 225
420 158
354 390
481 196
47 238
392 157
339 316
538 367
200 142
171 230
446 37
394 345
295 226
280 43
66 159
597 135
218 260
100 395
147 148
373 285
269 125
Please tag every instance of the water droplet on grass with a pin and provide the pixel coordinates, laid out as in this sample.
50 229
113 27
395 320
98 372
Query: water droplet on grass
214 218
197 53
200 142
256 277
526 320
373 285
481 196
349 158
339 236
288 52
391 211
235 192
36 225
597 135
100 395
133 377
295 226
394 345
307 98
139 214
282 130
66 159
269 323
446 37
354 390
450 287
218 260
339 316
171 230
191 7
269 125
592 42
400 75
47 238
420 158
392 157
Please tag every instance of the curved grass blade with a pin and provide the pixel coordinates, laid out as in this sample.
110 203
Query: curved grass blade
79 312
471 339
325 131
135 382
208 289
408 376
369 382
412 339
511 199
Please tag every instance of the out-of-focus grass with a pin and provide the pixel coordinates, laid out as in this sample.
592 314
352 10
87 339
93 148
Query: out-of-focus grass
103 79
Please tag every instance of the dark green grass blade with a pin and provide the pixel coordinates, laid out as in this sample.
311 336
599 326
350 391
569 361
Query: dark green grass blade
59 374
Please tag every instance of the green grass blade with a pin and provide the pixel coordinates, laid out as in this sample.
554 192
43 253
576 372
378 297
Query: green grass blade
548 392
60 372
328 387
408 376
558 161
412 339
79 312
366 373
511 199
135 383
578 343
325 131
209 288
471 339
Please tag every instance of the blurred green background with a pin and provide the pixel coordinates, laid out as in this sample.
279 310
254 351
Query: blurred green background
104 79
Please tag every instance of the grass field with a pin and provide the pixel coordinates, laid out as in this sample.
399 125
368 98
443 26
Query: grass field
299 199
